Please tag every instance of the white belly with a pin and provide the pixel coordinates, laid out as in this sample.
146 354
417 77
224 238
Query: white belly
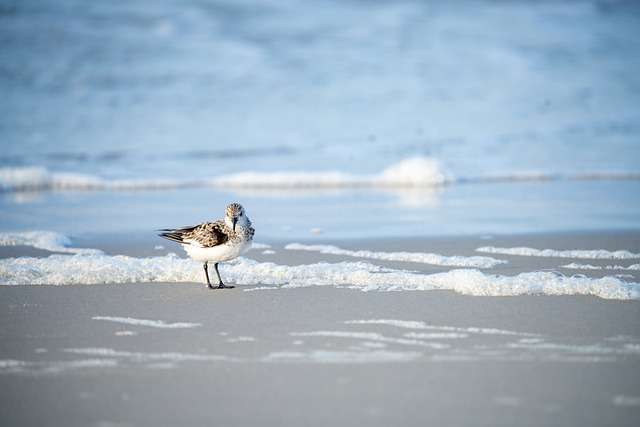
224 252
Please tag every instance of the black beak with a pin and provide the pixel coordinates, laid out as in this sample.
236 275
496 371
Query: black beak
234 223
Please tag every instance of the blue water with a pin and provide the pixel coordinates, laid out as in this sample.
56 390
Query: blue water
179 89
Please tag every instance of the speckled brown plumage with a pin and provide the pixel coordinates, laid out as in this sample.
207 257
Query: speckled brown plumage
207 235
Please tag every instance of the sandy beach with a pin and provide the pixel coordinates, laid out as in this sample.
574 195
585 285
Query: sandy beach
442 199
177 353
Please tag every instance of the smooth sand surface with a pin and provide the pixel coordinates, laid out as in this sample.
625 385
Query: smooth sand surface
295 356
255 372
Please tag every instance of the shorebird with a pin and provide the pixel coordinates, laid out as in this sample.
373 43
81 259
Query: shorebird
218 241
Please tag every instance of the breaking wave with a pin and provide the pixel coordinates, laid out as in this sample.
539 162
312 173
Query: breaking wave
415 172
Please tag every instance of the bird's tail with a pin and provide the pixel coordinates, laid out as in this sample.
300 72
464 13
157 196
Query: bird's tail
170 234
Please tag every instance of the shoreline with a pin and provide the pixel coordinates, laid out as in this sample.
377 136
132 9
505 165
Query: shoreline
233 357
604 264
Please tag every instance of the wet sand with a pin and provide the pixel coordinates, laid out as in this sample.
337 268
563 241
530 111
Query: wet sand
321 355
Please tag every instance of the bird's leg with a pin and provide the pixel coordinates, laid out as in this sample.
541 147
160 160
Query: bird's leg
206 274
220 284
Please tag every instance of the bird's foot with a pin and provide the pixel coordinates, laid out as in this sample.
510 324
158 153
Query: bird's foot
223 286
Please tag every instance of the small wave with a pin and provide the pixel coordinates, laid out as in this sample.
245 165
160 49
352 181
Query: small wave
415 172
417 257
40 179
412 172
46 240
100 268
552 253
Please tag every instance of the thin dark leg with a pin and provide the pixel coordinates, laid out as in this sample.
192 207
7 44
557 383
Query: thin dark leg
206 274
220 284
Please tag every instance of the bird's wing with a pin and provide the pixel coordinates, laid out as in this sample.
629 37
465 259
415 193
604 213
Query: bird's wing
206 235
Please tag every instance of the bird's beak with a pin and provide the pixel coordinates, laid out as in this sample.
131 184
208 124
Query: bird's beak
234 220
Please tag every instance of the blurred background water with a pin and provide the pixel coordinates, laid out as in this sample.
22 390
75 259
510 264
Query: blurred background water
175 90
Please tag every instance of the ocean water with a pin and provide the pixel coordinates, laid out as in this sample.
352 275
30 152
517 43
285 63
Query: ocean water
325 119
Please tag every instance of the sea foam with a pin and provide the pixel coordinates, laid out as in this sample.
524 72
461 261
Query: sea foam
420 325
324 356
577 266
552 253
417 257
46 240
100 268
146 322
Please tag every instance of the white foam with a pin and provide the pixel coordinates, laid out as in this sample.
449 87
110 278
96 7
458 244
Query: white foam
552 253
632 347
46 240
96 269
576 348
371 336
241 339
418 324
530 340
435 335
323 356
61 366
262 288
576 266
417 257
11 365
373 344
52 367
147 356
145 322
407 324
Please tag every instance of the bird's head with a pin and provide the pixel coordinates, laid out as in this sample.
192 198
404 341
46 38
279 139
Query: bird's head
235 216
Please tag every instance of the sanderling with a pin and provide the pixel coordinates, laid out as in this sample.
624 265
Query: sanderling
218 241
